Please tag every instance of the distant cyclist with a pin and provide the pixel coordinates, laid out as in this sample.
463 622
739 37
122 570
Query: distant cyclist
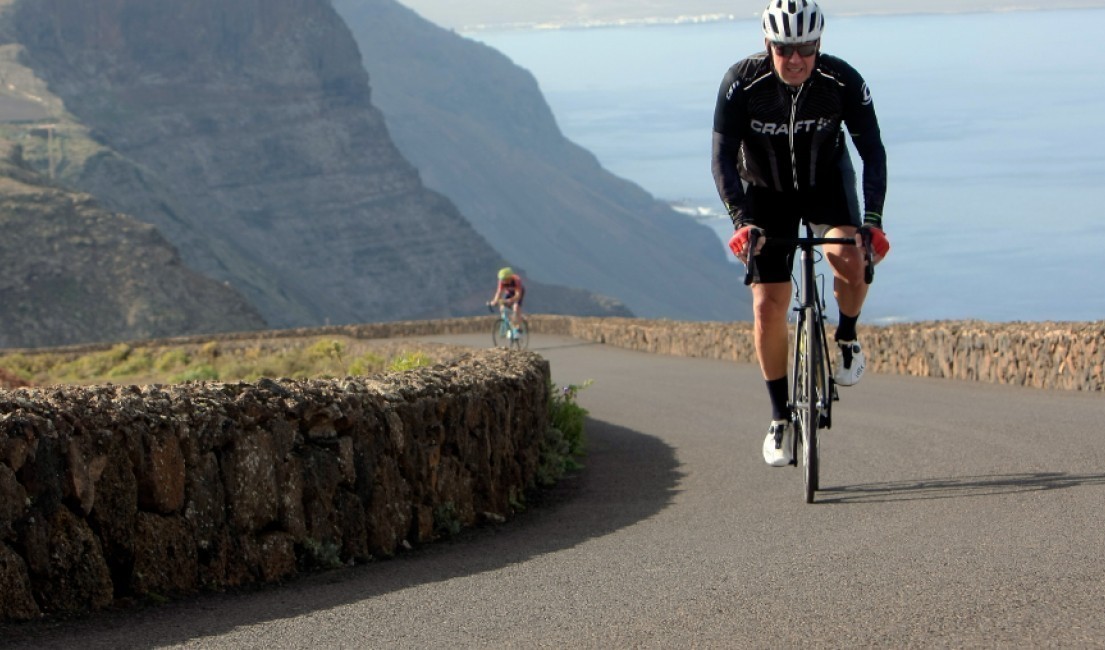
510 292
779 156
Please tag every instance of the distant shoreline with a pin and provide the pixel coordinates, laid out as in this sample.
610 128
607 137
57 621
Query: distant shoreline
538 26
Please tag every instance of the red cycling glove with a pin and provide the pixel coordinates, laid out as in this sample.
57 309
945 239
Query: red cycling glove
738 243
880 245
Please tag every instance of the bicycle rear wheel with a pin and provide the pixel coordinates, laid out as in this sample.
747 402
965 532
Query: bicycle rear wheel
806 400
521 336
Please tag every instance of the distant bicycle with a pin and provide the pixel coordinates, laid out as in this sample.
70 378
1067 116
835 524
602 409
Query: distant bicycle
504 335
813 390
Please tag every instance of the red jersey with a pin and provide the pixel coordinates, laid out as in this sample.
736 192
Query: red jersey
511 285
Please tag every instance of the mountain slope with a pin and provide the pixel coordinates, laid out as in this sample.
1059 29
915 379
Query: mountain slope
480 132
244 131
75 273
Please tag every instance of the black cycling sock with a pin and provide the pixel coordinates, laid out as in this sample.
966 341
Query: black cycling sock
777 390
846 330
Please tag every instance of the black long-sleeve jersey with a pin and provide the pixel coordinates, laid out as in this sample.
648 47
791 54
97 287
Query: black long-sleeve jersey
789 139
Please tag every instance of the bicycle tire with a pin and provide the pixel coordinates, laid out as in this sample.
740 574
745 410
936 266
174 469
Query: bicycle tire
499 330
817 362
521 336
806 420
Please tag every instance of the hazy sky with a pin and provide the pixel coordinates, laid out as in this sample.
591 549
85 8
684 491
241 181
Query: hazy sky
472 14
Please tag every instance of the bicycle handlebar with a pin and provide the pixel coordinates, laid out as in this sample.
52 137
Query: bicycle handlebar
809 243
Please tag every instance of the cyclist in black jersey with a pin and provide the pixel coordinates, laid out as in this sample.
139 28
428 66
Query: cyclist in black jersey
779 157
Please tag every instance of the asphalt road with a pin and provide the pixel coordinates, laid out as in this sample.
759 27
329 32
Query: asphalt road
953 515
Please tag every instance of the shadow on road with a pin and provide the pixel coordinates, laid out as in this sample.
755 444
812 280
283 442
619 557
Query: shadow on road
956 487
627 477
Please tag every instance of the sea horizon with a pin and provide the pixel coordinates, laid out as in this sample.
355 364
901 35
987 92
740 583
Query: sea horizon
475 30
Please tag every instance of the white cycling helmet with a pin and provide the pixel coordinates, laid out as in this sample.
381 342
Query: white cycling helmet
793 21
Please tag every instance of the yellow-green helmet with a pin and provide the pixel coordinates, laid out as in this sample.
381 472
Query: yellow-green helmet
505 272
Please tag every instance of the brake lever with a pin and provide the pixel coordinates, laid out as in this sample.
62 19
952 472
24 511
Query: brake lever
868 256
750 266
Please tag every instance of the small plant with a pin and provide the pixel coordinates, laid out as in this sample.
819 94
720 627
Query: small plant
567 415
136 362
326 349
446 521
409 361
320 555
210 349
202 372
564 438
170 360
96 364
517 500
367 364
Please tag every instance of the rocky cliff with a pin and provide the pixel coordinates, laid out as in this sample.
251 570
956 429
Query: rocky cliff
479 130
74 272
244 131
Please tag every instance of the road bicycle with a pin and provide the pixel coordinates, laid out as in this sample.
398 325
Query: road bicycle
813 389
505 335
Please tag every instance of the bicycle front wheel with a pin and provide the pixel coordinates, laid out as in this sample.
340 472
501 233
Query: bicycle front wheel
500 334
806 401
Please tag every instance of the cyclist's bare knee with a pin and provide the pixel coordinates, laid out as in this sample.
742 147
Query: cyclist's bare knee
770 302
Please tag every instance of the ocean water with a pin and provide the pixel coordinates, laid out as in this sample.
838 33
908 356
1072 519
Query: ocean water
992 122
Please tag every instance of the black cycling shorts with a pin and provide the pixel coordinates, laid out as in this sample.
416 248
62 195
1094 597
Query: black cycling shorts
780 214
508 294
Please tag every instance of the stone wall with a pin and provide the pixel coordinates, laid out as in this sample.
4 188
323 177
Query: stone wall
1068 356
110 493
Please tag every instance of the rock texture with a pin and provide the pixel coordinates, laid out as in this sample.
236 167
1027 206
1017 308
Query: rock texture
75 272
121 492
1064 356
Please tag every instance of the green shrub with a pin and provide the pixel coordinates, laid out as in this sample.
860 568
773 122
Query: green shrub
568 416
564 438
447 522
136 363
324 349
409 361
171 360
367 364
315 555
202 372
97 364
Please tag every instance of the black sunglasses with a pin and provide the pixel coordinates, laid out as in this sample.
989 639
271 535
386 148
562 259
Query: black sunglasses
803 49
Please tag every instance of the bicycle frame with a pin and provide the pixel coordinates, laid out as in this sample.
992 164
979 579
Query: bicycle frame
504 334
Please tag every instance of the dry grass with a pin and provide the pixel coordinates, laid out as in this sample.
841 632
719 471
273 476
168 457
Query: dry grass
311 357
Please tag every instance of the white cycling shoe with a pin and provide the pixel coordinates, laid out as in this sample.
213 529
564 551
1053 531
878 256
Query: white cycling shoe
850 363
779 444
